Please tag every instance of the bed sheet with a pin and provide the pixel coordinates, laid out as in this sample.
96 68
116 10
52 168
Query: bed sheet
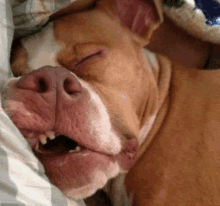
200 18
22 177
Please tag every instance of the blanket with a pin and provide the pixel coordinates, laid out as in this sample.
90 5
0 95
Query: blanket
22 177
200 18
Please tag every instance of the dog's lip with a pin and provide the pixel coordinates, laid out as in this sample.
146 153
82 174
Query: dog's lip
33 138
34 141
126 157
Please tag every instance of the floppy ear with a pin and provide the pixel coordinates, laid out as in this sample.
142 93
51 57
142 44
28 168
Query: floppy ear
142 17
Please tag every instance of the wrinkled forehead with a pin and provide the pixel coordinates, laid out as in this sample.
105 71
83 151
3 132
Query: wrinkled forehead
89 27
142 17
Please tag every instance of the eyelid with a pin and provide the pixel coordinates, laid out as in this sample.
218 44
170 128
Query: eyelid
93 5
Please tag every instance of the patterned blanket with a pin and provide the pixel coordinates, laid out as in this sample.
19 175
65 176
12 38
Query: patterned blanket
200 18
22 177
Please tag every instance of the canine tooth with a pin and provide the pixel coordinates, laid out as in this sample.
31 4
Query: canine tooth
43 138
78 148
50 134
37 146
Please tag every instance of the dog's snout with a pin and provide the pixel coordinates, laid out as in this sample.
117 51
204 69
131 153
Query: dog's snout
49 79
67 83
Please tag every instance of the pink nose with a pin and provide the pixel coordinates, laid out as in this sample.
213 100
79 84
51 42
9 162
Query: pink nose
50 79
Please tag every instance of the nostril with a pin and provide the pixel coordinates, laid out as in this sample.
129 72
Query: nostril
67 87
34 83
71 86
49 79
42 85
42 80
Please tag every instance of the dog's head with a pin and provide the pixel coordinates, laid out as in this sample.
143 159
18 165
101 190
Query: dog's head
91 95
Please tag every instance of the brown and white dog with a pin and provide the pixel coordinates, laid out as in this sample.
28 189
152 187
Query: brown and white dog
98 99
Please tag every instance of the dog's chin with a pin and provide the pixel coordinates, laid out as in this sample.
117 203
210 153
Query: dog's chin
97 181
80 174
82 192
87 190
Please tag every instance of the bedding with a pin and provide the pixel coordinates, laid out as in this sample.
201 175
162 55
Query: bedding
200 18
22 178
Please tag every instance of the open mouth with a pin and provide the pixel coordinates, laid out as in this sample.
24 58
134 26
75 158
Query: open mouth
56 144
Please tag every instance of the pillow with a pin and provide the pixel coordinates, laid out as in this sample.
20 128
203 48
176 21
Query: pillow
22 177
200 18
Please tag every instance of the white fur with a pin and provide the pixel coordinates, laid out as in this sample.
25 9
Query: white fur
146 129
117 191
45 48
101 180
44 53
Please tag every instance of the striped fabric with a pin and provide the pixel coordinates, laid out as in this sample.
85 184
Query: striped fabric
30 15
22 177
200 18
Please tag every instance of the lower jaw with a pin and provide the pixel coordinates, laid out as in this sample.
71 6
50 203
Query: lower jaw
81 172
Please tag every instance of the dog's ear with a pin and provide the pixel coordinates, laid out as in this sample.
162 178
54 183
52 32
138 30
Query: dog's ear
142 17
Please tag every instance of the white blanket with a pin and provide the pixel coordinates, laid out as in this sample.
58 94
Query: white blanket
22 177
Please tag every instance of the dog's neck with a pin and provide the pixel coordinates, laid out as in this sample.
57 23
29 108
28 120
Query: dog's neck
161 69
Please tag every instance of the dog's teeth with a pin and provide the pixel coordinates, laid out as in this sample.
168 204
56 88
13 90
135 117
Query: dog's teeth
51 135
37 146
43 138
78 148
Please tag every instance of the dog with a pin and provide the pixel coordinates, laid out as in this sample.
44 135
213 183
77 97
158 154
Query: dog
94 107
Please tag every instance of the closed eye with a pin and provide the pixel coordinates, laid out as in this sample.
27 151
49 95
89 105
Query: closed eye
86 58
93 5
